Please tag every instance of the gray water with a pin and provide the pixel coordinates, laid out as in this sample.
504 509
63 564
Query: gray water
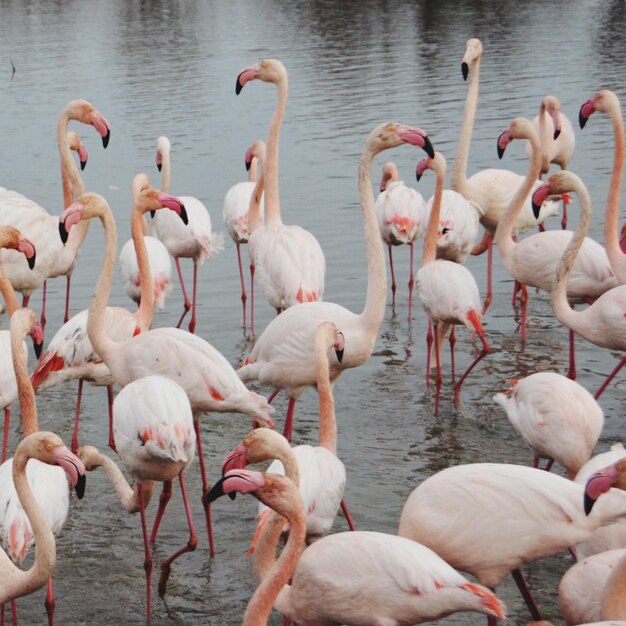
156 68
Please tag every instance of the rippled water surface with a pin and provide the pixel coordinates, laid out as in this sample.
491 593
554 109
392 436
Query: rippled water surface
169 68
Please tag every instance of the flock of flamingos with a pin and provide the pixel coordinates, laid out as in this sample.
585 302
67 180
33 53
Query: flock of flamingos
484 519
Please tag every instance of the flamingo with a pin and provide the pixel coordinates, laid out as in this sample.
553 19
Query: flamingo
447 290
603 322
489 519
283 354
11 238
289 259
194 239
557 139
606 101
400 210
37 224
558 418
237 205
154 432
533 261
48 483
355 578
70 355
202 371
318 471
42 448
491 189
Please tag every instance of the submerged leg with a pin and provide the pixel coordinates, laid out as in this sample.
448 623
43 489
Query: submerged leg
205 487
187 303
244 297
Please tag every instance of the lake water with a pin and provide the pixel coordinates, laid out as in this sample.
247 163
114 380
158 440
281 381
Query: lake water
169 67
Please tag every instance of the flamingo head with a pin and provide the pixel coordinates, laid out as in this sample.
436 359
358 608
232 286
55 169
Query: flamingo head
78 146
339 346
14 240
70 217
604 101
473 52
99 122
37 336
163 149
236 481
603 480
259 445
421 168
539 197
503 141
268 70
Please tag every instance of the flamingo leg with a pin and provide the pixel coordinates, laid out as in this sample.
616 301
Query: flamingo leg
187 303
79 395
166 566
50 603
205 487
244 297
429 345
439 377
393 280
25 301
252 268
192 321
452 344
111 432
347 515
13 613
482 355
164 498
524 302
42 319
411 280
273 395
147 564
571 372
549 465
486 243
516 288
610 377
523 587
66 317
5 434
288 430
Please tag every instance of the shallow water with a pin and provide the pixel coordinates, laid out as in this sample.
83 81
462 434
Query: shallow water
169 68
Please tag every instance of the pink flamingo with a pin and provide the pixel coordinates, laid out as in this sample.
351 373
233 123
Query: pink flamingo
447 290
558 418
48 483
70 355
202 371
11 239
464 514
193 239
491 189
355 578
606 101
400 210
243 204
289 259
533 260
319 473
155 440
283 355
603 322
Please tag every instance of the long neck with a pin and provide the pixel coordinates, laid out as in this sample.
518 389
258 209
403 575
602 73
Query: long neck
376 299
275 578
614 594
166 172
253 170
102 344
146 303
73 186
504 231
45 548
126 494
430 236
254 210
26 394
611 215
328 423
272 201
558 296
459 171
545 136
8 293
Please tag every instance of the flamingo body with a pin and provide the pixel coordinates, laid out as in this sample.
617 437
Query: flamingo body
400 211
235 213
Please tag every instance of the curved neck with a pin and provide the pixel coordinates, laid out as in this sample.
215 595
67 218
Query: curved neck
146 302
8 293
272 201
26 394
166 173
459 171
611 215
328 423
274 578
254 210
430 236
504 232
126 494
614 594
73 186
253 169
545 136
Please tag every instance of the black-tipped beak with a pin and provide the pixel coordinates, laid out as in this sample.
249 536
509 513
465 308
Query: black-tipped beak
589 502
37 347
80 486
248 165
217 491
83 164
582 118
159 166
428 148
105 138
500 151
339 354
536 208
464 70
63 233
183 214
557 133
418 176
238 85
152 214
31 262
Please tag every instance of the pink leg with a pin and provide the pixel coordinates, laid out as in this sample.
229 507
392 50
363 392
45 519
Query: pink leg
79 396
14 613
50 603
288 430
192 321
111 434
393 280
487 301
516 288
346 514
610 377
273 395
187 304
452 344
571 372
42 320
439 378
67 299
530 602
549 465
244 297
411 281
166 566
482 355
252 268
524 302
147 564
25 301
429 345
205 487
164 498
5 435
